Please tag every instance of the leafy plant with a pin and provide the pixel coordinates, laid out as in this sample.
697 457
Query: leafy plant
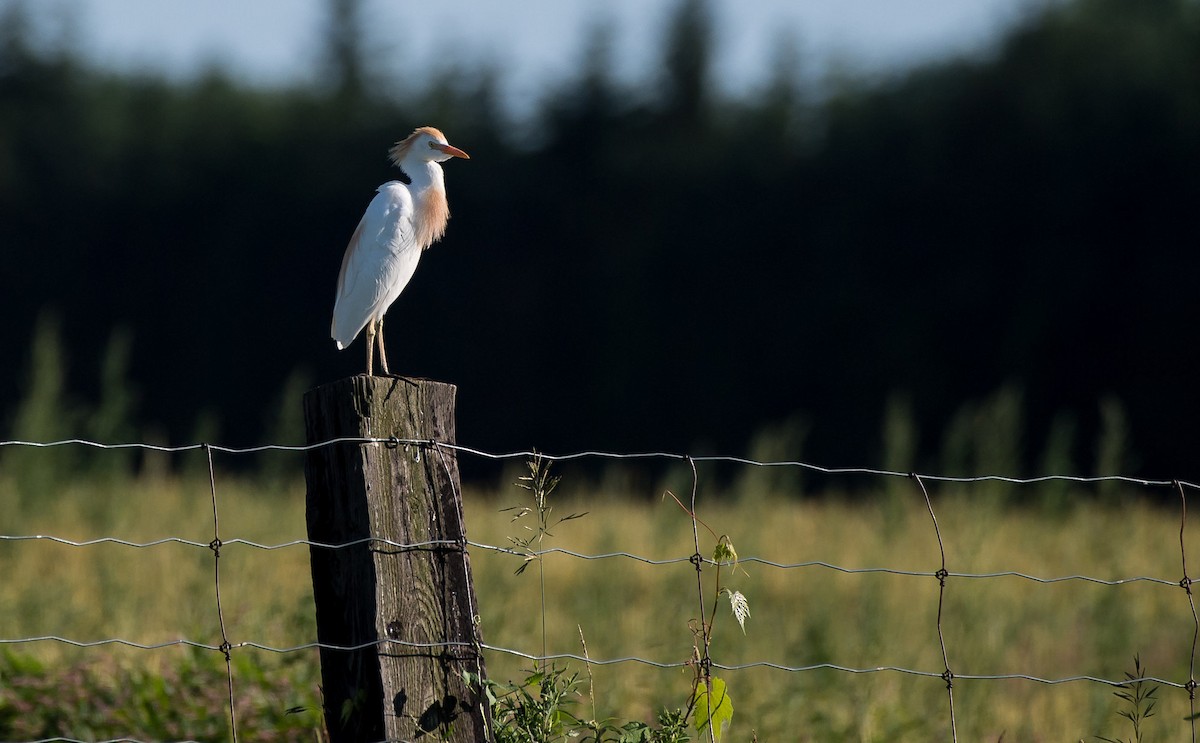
534 710
538 710
672 728
710 701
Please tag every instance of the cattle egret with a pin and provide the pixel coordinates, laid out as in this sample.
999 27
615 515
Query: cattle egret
404 218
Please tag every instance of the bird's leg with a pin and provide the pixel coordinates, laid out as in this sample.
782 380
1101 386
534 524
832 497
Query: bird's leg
382 355
370 345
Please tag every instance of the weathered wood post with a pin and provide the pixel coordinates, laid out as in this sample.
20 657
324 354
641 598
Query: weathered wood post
412 608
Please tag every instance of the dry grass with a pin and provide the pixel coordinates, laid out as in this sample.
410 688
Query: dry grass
801 616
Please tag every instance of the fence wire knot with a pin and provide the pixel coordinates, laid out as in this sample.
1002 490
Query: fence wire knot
942 574
948 677
392 442
215 546
1186 584
1191 688
696 559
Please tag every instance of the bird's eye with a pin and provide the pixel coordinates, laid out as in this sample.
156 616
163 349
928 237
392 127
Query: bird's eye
433 145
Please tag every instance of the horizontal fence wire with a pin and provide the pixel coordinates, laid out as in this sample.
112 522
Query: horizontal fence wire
631 659
584 556
226 646
596 454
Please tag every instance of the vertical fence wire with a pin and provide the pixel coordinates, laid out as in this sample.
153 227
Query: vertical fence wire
215 546
941 575
704 674
1186 584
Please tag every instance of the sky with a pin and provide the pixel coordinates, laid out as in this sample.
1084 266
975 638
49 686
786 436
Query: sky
534 42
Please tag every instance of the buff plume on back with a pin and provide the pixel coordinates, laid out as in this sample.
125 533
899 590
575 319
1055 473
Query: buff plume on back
405 217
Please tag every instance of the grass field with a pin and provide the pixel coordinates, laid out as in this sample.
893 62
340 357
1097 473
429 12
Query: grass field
800 616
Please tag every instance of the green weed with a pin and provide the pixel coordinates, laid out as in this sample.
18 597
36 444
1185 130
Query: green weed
1140 700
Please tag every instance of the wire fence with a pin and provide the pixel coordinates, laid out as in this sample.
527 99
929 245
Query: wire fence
942 574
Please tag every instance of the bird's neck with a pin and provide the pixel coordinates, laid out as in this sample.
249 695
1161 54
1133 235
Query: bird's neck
428 187
420 176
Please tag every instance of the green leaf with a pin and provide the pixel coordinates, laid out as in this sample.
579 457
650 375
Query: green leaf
636 732
718 702
724 552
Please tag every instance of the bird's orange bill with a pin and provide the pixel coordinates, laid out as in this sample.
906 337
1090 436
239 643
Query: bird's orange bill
451 150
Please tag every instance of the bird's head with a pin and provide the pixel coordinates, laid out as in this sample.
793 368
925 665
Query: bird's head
425 144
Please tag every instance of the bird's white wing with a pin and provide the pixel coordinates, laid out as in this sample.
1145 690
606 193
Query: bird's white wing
379 262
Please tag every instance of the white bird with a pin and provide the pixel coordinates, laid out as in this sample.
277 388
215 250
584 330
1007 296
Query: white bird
404 218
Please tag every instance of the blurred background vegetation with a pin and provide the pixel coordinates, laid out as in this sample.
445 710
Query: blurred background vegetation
1000 244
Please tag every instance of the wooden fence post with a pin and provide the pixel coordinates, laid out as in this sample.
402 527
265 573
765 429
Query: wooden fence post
411 607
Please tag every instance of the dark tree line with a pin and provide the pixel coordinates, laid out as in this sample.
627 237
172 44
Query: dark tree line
661 267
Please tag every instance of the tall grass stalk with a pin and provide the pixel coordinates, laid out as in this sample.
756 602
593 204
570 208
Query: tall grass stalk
540 484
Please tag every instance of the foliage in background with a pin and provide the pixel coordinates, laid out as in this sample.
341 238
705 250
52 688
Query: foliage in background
970 225
983 437
185 699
